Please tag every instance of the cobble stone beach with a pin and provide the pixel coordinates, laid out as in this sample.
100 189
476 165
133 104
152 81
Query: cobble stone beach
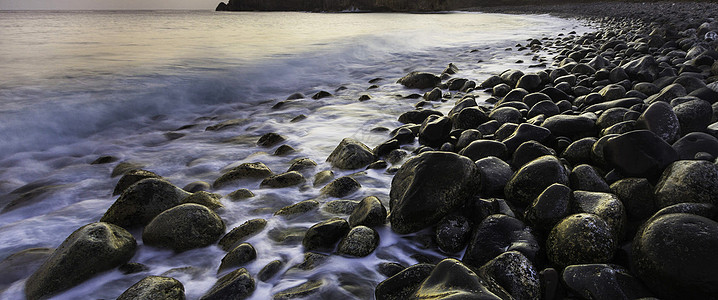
587 169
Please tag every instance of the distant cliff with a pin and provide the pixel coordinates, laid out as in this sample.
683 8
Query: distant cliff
334 5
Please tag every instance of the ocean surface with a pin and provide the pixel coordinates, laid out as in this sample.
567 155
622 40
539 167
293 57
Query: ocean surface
142 86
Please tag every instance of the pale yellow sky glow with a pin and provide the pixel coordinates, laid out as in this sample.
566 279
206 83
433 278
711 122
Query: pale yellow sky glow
106 4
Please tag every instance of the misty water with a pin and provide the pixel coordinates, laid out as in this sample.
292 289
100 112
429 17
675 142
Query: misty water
75 86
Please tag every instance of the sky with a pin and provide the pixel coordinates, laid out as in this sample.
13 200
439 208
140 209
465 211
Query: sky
107 4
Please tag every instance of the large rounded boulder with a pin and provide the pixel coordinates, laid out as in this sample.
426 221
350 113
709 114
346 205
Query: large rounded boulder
184 227
92 249
688 181
351 154
639 153
429 186
533 178
142 201
581 239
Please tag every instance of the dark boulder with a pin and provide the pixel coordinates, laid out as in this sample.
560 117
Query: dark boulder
571 126
604 205
369 212
184 227
579 152
240 255
694 115
497 234
660 119
241 233
283 180
237 284
691 144
452 233
341 187
494 174
603 282
130 178
693 181
351 154
524 133
450 279
639 153
484 148
637 197
528 151
256 170
417 116
586 178
403 284
156 288
359 242
325 235
435 131
419 80
533 178
550 207
142 201
514 274
581 239
270 139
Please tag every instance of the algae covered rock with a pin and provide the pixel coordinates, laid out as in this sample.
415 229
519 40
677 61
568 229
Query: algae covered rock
184 227
238 284
533 178
351 154
581 239
155 288
255 170
142 201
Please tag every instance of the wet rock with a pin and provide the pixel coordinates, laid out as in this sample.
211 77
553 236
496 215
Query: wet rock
579 152
603 281
344 207
511 77
533 178
155 287
506 115
450 279
256 170
528 151
429 186
586 178
491 82
452 233
674 255
302 291
433 95
143 201
184 227
227 124
403 284
323 177
466 137
270 139
524 133
302 164
359 242
351 154
529 82
494 174
124 167
389 269
571 126
667 94
197 186
296 96
284 150
132 177
237 284
660 119
369 212
287 179
515 274
691 144
384 148
688 181
547 108
484 148
321 95
505 131
637 197
22 264
489 127
239 255
341 187
550 207
240 194
694 115
418 116
497 234
435 131
580 239
241 233
377 165
210 200
325 235
469 118
297 208
311 261
639 153
604 205
269 270
91 249
419 80
642 69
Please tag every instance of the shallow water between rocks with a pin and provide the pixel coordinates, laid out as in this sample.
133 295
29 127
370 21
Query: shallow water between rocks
144 86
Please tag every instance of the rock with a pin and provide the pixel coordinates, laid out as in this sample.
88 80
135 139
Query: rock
435 131
427 187
494 174
469 118
283 180
528 151
505 131
639 153
351 154
184 227
302 291
506 115
210 200
323 177
586 178
256 170
452 233
297 208
226 124
419 80
325 235
296 96
637 197
479 149
620 128
240 255
529 82
642 69
580 239
237 284
533 178
271 269
310 262
105 159
142 201
491 82
550 207
302 164
603 281
691 144
240 194
466 137
433 95
604 205
693 181
405 135
534 98
579 152
22 264
511 77
660 119
524 133
668 93
612 92
514 273
674 255
155 287
341 187
321 95
270 139
91 249
694 115
389 269
241 233
369 212
418 116
197 186
384 148
571 126
359 242
403 284
547 108
450 279
131 177
497 234
343 207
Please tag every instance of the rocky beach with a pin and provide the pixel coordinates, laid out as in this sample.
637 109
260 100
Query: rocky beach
586 170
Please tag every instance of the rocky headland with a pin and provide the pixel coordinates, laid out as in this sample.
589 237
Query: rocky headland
592 176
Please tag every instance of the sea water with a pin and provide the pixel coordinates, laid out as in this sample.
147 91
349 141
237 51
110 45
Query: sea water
142 86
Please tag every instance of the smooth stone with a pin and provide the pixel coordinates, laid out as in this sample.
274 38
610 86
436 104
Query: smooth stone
597 155
534 98
132 177
660 119
256 170
369 212
452 233
142 201
579 152
418 116
580 239
511 76
620 128
184 227
389 269
466 137
283 180
419 80
270 139
22 264
155 288
241 233
269 270
547 108
643 69
484 148
469 118
607 206
403 285
528 151
323 177
667 94
639 153
506 115
450 279
693 181
321 95
497 234
341 187
297 208
691 144
515 273
384 148
494 174
637 197
342 206
311 261
125 167
302 291
694 115
359 242
351 154
603 282
524 133
612 92
302 164
529 82
197 186
433 95
237 284
571 126
325 235
533 178
427 187
240 194
550 207
505 131
240 255
435 131
585 178
623 102
210 200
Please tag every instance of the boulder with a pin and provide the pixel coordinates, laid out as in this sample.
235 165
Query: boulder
497 234
524 133
660 119
359 242
550 207
579 152
514 274
586 178
305 290
637 197
580 239
435 131
369 212
528 151
210 200
403 284
571 126
341 187
452 233
256 170
688 181
241 233
533 178
694 115
494 174
484 148
283 180
269 270
298 208
603 282
91 249
238 256
604 205
351 154
155 288
639 153
419 80
691 144
427 187
325 235
450 279
142 201
130 178
184 227
237 284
